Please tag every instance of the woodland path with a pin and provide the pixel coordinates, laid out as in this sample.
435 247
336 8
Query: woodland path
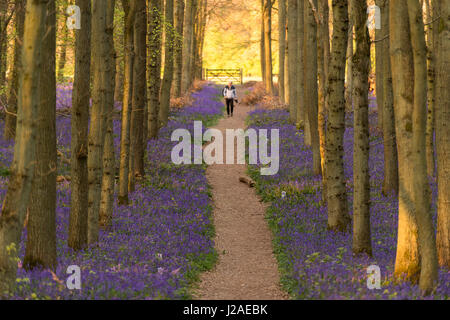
247 268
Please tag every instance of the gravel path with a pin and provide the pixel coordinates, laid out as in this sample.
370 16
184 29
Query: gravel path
247 268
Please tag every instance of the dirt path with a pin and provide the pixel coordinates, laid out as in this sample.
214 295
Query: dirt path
247 269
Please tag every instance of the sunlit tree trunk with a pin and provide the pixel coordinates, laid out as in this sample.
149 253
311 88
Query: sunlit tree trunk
338 218
188 33
97 130
108 180
154 66
302 116
286 70
310 81
80 121
168 65
17 197
379 68
5 18
10 120
407 259
178 53
262 44
268 76
421 191
281 47
349 77
390 182
443 133
292 58
361 179
63 45
130 13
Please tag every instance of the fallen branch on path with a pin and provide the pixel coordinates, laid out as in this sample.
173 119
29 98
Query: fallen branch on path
247 181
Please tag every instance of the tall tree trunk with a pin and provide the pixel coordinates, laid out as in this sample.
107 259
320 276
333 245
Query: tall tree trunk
421 193
5 18
63 46
443 133
154 66
168 65
349 77
302 117
139 94
187 45
80 122
286 70
322 55
41 228
292 58
431 75
390 182
268 46
310 81
17 197
281 48
10 121
97 130
178 52
262 44
130 13
361 195
407 260
109 175
192 61
379 66
338 218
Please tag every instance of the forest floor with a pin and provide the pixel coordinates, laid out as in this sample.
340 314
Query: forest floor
247 268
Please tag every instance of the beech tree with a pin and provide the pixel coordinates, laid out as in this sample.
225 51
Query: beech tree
292 43
338 218
178 50
188 37
17 197
281 48
268 75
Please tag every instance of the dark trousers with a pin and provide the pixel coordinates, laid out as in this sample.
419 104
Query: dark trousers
230 106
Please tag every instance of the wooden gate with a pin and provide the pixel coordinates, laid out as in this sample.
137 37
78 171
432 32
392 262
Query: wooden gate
224 75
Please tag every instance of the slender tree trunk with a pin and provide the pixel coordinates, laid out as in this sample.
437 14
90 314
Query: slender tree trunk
443 133
361 195
263 44
168 65
5 17
97 130
302 116
286 70
139 95
421 194
390 183
379 66
349 77
154 67
178 53
407 259
338 218
41 227
268 46
310 81
292 42
281 47
80 122
187 45
431 75
10 121
127 103
17 197
192 61
63 47
107 195
322 43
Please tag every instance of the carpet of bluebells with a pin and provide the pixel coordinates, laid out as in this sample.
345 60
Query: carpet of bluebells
317 263
158 245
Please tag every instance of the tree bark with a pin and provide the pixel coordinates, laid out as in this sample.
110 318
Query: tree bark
379 66
127 104
407 259
178 52
302 115
17 197
281 48
188 33
390 182
154 66
292 58
349 77
97 130
443 134
109 175
63 46
263 44
11 118
268 46
361 194
421 194
80 121
338 218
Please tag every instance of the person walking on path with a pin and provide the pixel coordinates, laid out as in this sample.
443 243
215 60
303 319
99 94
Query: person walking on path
229 93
